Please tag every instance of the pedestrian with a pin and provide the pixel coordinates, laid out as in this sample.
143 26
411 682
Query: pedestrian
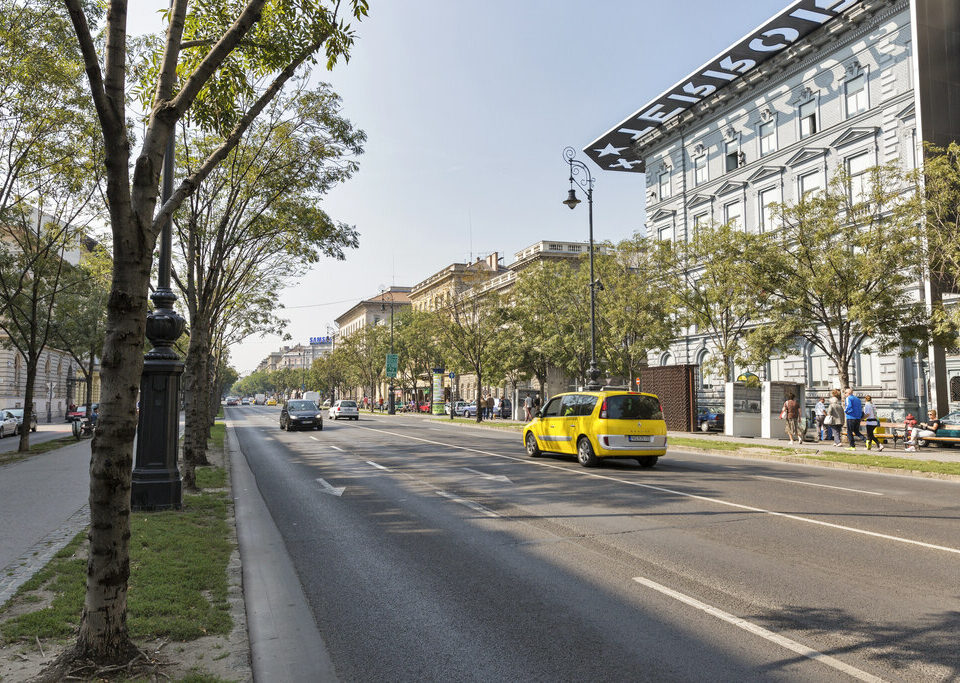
791 417
381 404
924 430
820 413
528 408
496 406
853 411
490 406
872 421
834 418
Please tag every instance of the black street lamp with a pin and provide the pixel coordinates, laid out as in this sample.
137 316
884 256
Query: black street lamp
391 404
576 168
156 483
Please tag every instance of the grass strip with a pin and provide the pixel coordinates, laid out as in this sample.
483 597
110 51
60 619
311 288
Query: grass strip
37 448
508 426
217 433
178 578
211 477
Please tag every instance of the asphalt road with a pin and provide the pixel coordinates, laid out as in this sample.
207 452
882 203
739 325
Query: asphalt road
45 432
436 552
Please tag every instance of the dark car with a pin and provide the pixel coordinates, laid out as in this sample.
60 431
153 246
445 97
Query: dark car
18 413
300 414
504 409
710 421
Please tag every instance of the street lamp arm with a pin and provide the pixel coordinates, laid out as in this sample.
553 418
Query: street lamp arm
579 171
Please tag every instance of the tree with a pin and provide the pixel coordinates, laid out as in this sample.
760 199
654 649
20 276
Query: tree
635 313
253 224
365 353
197 73
839 276
416 346
466 324
49 174
941 211
80 313
717 290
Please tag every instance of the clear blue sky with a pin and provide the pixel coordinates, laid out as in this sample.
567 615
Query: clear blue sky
467 107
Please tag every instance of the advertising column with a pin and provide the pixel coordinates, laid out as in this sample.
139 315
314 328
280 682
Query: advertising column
437 391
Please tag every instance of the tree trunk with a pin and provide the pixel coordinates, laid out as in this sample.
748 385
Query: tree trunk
24 444
194 398
480 408
103 635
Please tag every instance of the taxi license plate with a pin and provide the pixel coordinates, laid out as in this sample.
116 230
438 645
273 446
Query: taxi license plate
639 439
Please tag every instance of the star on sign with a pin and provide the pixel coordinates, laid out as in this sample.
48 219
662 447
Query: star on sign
609 149
624 163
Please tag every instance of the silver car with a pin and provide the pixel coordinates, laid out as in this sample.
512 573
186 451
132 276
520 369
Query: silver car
8 423
18 413
345 408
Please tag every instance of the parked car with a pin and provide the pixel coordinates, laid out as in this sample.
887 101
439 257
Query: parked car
595 425
246 400
345 408
469 410
300 414
8 423
710 421
80 412
271 401
18 413
504 410
233 400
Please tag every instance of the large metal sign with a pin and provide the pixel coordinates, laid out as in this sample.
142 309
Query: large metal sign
611 151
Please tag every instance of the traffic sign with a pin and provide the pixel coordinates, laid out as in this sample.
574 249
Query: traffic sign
392 362
452 375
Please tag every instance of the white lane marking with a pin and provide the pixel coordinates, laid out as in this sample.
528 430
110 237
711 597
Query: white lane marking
314 438
783 641
491 477
336 448
810 483
379 467
663 489
327 487
476 507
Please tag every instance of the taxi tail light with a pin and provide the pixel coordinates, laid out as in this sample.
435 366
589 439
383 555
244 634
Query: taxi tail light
603 410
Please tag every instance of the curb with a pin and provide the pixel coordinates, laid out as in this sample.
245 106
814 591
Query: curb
285 643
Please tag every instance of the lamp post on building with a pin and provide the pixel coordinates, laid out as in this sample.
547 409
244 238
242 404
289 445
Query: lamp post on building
156 483
577 168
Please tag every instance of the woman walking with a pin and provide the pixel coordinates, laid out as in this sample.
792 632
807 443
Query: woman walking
836 416
872 422
791 414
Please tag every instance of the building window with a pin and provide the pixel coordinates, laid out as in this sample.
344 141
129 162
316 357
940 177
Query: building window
700 170
822 370
576 248
664 182
731 155
869 370
778 372
699 221
767 133
665 232
858 172
811 182
766 199
808 118
857 95
556 247
666 359
733 214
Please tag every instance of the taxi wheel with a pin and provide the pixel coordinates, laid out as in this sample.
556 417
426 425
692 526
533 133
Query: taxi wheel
648 460
585 453
531 441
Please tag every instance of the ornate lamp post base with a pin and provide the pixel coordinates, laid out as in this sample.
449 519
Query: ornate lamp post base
156 481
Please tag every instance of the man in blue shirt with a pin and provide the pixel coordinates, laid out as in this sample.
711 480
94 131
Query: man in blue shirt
853 410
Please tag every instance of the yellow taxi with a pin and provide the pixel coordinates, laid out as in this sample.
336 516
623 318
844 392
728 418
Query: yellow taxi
271 401
595 425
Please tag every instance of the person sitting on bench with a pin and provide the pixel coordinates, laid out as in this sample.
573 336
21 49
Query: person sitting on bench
924 430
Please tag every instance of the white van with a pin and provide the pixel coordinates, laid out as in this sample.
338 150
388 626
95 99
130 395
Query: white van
312 396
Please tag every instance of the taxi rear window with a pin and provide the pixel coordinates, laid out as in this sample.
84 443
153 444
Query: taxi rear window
633 407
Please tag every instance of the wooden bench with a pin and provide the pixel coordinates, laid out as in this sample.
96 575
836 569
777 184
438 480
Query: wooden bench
884 432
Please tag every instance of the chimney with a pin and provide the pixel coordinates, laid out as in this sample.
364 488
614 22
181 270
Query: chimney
492 261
